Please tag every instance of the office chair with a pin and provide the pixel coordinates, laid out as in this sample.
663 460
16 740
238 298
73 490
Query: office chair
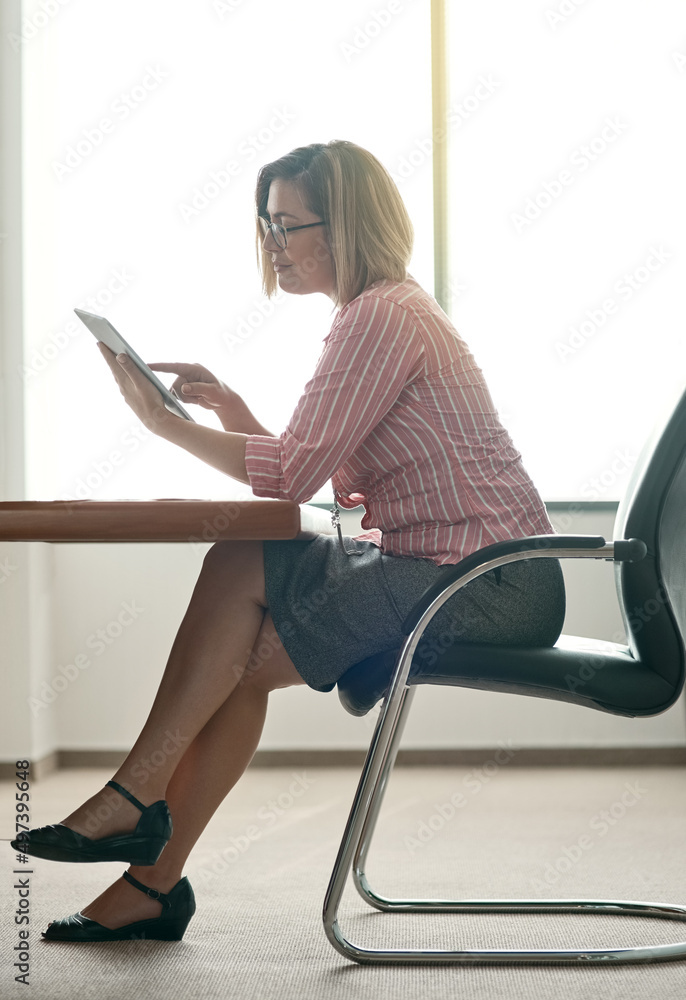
642 678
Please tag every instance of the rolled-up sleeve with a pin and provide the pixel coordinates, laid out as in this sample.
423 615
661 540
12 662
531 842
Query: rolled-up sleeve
371 353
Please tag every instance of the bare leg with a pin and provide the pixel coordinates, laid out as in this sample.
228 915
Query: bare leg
208 770
206 663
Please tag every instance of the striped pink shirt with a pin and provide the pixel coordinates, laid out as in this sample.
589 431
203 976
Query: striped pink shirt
398 415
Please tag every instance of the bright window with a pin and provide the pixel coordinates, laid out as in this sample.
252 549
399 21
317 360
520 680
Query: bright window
568 214
146 124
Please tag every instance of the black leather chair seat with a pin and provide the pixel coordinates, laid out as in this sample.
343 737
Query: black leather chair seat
594 673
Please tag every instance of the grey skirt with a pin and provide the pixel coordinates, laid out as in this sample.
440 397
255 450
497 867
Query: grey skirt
332 610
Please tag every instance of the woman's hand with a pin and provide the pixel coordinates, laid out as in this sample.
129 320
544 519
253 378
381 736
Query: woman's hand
222 451
196 384
141 395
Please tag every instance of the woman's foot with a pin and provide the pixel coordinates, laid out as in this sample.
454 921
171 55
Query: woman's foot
105 814
120 836
121 903
161 916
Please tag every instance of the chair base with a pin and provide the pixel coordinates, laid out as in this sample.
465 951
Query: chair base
617 956
352 857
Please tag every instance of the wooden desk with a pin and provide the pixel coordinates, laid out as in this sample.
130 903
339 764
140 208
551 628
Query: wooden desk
159 520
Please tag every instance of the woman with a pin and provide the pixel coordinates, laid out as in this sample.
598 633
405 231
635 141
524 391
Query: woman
397 414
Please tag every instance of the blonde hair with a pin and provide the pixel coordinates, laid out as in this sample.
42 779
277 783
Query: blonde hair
369 231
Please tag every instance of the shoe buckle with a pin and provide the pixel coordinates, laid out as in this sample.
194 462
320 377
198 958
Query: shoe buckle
154 893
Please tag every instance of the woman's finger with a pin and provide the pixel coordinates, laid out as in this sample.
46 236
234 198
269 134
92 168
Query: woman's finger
140 394
176 386
206 389
209 394
126 373
135 375
107 354
114 366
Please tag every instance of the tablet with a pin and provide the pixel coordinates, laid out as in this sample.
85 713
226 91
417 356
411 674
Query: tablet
103 330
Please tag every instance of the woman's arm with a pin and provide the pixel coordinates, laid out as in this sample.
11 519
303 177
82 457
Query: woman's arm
237 416
196 384
371 354
224 450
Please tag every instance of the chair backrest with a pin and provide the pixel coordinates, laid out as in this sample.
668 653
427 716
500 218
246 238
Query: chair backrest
652 593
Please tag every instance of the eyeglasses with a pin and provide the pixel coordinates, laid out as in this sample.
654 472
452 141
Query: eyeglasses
279 232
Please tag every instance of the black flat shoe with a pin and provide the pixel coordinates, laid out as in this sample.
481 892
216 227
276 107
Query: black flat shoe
178 908
141 847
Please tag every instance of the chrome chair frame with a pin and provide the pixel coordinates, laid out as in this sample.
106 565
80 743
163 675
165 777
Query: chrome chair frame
368 799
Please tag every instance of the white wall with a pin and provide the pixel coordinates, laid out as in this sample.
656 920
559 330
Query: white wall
103 704
25 606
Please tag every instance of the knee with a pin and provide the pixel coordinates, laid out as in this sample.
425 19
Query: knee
260 674
221 552
233 547
242 558
269 669
256 678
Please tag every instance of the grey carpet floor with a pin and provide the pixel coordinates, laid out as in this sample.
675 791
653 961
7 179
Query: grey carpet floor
261 869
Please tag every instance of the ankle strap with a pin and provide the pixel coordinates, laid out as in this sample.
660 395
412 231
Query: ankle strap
127 795
152 893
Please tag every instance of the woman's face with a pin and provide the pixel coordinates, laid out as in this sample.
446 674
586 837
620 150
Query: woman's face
305 265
